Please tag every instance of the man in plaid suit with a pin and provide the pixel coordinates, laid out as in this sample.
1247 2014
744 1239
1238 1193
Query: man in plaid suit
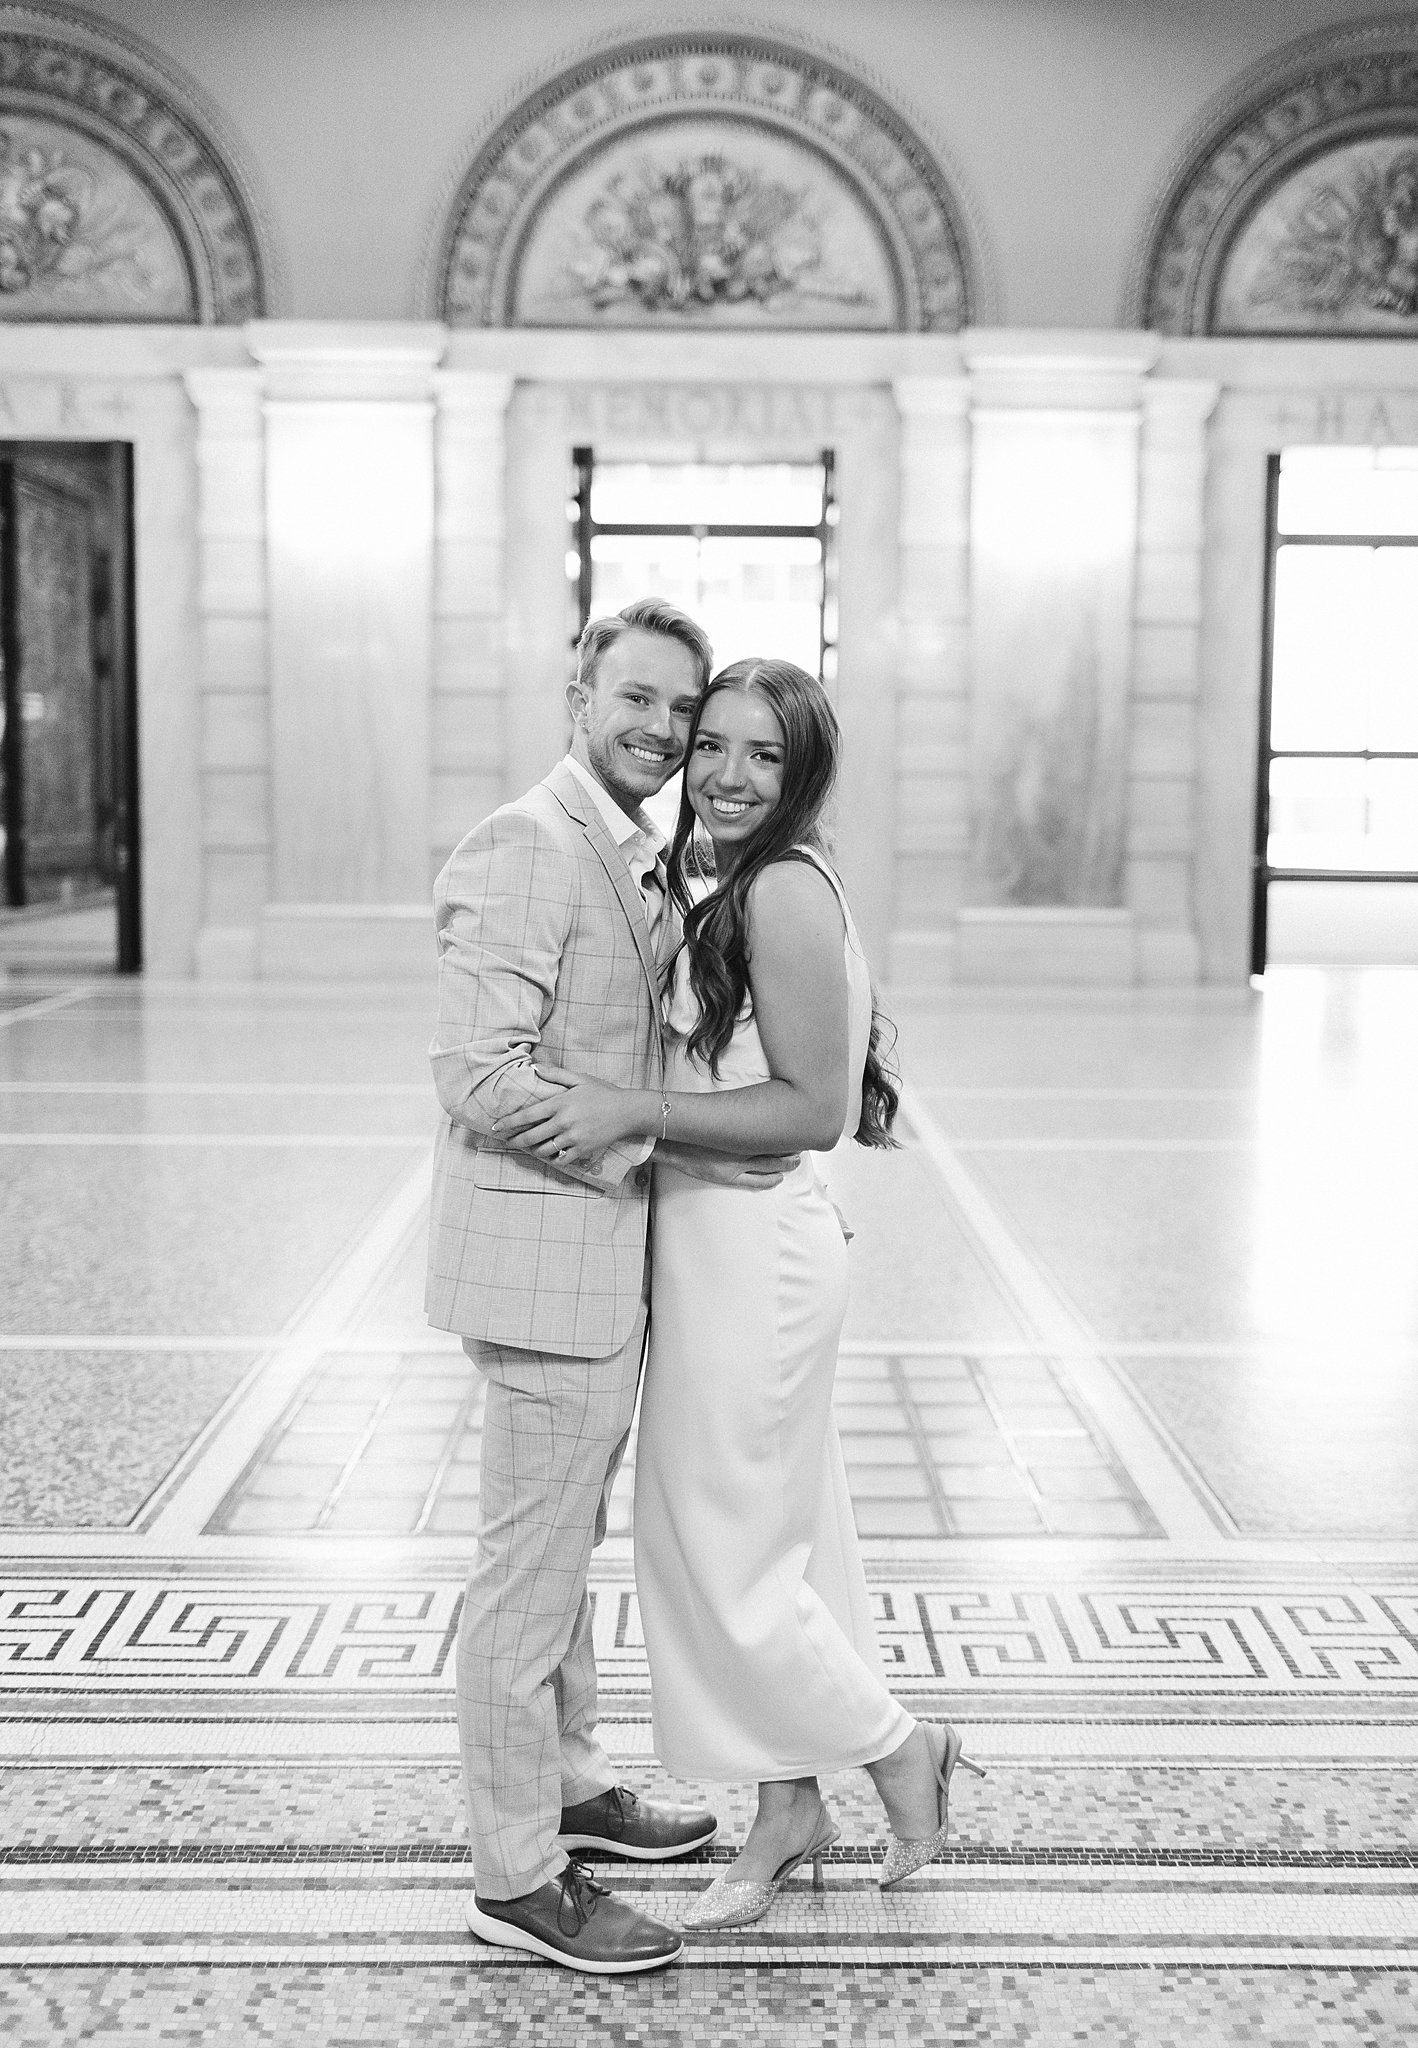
552 919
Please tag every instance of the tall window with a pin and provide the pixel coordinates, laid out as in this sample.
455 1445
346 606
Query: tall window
744 548
1338 792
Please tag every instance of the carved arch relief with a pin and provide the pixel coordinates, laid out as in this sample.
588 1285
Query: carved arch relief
694 180
1295 210
116 201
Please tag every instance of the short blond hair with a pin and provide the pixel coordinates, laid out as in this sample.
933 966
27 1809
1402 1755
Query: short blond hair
645 615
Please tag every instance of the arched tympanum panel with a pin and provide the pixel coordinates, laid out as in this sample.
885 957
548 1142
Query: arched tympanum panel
1295 208
116 202
705 180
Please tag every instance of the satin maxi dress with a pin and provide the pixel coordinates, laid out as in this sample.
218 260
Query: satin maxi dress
764 1662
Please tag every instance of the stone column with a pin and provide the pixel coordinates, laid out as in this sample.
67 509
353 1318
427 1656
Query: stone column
468 744
1053 545
541 617
234 688
866 660
932 705
350 548
1162 752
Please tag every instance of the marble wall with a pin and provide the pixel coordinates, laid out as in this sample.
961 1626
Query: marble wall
1053 542
350 569
354 623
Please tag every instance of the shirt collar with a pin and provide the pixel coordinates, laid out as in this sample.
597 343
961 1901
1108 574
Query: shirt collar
622 828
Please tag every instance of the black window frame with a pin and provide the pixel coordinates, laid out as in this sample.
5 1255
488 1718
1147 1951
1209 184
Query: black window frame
1263 873
587 529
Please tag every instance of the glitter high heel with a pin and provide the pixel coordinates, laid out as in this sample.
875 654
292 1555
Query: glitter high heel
903 1857
739 1901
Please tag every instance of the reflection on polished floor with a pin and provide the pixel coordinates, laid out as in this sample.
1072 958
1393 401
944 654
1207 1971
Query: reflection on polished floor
1130 1409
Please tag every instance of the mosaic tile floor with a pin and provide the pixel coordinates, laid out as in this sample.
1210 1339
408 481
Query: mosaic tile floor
1127 1398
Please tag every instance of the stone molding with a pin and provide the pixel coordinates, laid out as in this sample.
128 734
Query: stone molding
1321 92
794 90
92 78
359 360
1064 372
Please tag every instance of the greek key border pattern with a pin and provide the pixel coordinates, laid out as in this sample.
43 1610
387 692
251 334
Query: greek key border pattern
135 1635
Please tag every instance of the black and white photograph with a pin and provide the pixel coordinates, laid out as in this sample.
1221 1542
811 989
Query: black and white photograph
709 1023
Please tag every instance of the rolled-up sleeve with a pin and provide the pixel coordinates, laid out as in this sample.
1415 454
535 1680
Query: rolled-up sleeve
504 908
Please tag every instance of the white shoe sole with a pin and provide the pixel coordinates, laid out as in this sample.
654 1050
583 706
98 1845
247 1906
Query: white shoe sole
499 1934
610 1848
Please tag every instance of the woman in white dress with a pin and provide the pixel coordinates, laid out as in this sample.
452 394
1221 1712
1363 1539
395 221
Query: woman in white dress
764 1662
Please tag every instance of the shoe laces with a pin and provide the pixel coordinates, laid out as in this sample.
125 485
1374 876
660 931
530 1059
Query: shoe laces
579 1893
623 1803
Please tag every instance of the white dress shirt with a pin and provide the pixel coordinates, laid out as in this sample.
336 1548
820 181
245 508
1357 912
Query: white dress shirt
641 845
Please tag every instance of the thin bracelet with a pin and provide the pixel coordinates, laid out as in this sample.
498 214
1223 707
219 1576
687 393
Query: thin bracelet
665 1107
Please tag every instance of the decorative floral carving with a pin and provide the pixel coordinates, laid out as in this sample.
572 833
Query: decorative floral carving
116 200
706 232
855 154
58 226
1353 244
1295 208
40 202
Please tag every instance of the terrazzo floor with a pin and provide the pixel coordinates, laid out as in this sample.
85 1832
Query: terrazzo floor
1127 1397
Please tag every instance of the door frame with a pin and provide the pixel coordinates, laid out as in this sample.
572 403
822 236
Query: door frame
1260 845
122 605
1262 873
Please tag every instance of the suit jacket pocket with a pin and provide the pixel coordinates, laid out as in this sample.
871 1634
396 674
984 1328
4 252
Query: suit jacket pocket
517 1173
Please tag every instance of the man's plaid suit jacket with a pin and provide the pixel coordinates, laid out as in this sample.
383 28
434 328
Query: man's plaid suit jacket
544 953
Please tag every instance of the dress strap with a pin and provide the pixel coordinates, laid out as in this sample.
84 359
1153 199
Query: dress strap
810 856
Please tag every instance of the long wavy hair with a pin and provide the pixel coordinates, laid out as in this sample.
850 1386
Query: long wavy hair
716 928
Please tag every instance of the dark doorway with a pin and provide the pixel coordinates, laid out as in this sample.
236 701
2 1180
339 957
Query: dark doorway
68 741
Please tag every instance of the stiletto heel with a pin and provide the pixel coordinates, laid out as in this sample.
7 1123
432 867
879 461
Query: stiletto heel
739 1901
903 1857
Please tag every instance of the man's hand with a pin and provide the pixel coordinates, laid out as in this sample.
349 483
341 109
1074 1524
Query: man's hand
721 1171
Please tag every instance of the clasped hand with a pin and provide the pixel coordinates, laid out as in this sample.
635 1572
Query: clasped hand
578 1123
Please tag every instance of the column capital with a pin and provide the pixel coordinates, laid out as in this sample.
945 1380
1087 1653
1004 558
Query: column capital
228 402
1059 371
928 398
483 393
1187 401
315 359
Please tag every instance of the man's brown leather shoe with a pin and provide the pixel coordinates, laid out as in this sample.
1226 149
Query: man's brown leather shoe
622 1824
574 1921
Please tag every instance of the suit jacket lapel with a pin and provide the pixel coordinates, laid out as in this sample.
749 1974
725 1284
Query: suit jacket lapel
575 802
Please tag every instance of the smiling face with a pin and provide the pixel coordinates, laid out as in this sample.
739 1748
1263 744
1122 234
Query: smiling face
632 722
734 776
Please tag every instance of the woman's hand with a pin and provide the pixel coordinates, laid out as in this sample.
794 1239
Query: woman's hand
580 1122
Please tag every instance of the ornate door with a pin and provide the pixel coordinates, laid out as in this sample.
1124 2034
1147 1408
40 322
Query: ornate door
67 772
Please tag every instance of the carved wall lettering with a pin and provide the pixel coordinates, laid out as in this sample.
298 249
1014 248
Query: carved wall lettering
1295 208
705 179
693 414
47 405
1347 418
